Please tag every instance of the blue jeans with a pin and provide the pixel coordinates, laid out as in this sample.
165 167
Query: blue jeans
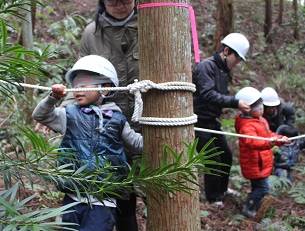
94 218
260 188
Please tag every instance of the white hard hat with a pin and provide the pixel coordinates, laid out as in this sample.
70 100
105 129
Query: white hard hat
96 64
270 97
248 94
237 42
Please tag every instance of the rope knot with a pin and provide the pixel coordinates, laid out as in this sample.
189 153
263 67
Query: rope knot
136 88
142 86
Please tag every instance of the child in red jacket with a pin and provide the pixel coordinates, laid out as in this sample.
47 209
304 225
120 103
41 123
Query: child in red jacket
256 157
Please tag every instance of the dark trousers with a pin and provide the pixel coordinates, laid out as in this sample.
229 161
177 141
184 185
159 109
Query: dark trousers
89 218
259 188
126 214
284 172
215 186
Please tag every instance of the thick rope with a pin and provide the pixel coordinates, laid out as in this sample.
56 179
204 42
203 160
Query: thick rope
243 135
296 137
155 121
135 88
143 86
231 134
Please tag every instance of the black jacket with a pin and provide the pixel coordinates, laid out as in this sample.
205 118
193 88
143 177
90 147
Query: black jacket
285 115
211 77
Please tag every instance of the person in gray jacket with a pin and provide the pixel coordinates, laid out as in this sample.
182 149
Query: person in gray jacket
211 77
114 35
96 131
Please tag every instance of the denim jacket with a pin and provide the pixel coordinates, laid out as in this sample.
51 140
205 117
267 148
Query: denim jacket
287 155
83 137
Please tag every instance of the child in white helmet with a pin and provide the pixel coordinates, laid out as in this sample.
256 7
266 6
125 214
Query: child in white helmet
95 132
276 111
256 157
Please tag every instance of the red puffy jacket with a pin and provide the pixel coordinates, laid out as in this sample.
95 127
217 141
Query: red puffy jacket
255 156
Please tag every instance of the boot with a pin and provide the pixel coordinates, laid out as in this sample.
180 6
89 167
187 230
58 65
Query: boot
249 209
266 203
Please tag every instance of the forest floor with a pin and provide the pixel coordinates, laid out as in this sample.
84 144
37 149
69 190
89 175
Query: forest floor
214 219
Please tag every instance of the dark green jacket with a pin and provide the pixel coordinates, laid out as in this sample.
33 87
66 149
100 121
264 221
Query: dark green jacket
118 44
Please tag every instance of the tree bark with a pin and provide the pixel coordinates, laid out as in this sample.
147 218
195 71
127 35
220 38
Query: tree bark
296 33
280 15
268 21
224 21
27 42
27 32
33 11
165 55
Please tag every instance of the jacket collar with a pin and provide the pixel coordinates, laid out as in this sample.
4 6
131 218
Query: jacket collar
106 109
89 110
130 21
220 63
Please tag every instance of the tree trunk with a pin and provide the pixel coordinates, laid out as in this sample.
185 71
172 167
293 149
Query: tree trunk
33 11
281 9
268 21
27 32
224 21
165 55
296 33
27 42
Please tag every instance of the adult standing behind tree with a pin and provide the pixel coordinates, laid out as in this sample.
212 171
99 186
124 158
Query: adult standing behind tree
114 35
211 77
276 111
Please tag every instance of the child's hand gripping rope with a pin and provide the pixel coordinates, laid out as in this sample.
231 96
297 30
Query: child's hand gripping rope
58 91
280 140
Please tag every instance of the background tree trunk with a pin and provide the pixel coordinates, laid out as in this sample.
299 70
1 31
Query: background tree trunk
280 15
268 21
296 33
27 32
165 55
27 42
224 21
33 11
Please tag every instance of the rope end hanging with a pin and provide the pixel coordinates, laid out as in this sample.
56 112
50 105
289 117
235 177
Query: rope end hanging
138 107
135 89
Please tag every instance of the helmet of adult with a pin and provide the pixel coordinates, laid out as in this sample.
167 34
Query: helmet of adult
237 42
270 97
248 94
96 64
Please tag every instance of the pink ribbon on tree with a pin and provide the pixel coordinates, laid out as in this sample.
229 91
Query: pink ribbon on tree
191 16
